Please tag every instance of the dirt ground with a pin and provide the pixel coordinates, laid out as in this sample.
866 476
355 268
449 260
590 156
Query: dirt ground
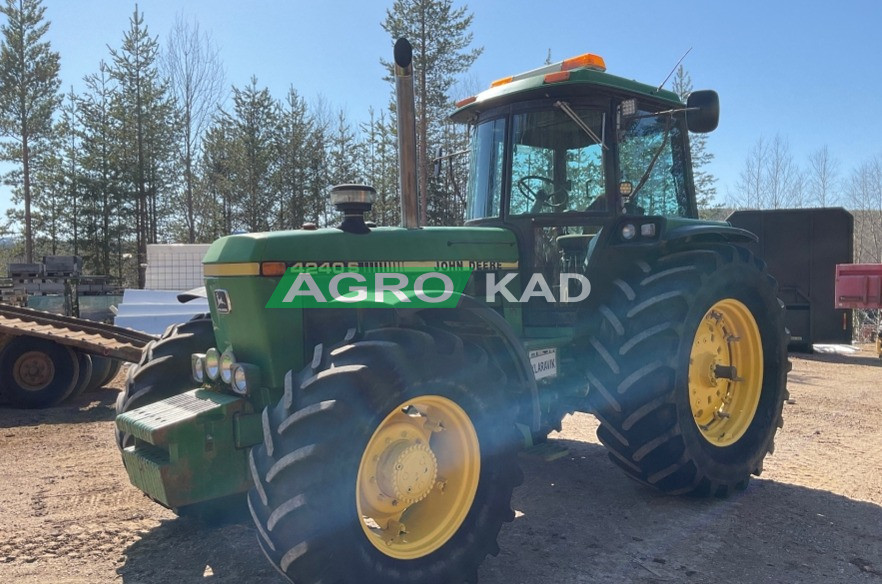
69 515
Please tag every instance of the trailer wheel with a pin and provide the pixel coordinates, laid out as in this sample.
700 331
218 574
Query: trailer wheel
37 373
397 452
115 366
687 370
164 370
101 367
85 375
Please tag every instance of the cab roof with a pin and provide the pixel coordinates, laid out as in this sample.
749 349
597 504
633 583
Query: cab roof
559 81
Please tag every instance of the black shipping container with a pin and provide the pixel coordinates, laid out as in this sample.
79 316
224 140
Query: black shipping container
802 248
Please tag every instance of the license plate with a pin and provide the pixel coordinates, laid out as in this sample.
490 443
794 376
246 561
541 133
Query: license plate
544 362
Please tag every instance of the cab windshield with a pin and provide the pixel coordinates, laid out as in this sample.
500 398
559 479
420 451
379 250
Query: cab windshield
557 162
556 159
651 161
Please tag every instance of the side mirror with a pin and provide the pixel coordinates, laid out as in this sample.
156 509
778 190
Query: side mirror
702 111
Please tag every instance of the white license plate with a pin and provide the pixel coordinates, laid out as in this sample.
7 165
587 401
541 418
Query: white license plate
544 362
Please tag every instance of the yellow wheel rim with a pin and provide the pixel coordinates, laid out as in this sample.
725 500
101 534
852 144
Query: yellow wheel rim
725 372
418 477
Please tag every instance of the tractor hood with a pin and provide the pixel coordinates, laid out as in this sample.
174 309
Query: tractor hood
241 255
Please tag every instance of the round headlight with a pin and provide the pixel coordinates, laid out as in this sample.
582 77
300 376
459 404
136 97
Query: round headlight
197 364
629 231
212 363
240 381
227 361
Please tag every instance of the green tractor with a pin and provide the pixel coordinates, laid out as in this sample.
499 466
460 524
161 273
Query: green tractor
379 443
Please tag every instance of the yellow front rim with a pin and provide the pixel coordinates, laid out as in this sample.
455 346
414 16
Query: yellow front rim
418 477
725 372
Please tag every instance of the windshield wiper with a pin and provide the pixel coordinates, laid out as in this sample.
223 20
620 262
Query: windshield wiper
565 108
655 156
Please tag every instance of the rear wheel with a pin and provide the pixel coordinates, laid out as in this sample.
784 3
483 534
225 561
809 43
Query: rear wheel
687 370
396 451
37 373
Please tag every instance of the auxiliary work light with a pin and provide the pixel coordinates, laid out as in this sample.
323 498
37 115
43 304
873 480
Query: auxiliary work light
212 363
226 366
197 365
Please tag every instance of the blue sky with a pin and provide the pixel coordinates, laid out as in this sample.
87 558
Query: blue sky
809 71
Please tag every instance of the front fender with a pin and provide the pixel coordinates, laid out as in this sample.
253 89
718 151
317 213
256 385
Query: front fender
475 321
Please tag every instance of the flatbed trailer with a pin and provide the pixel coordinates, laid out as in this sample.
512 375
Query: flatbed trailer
46 358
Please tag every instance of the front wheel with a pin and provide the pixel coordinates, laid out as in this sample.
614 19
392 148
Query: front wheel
687 370
395 451
164 369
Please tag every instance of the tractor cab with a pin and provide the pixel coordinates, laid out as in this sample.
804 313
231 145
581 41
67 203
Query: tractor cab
560 152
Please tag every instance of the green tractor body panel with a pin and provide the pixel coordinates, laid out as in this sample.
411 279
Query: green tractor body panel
382 244
190 448
273 339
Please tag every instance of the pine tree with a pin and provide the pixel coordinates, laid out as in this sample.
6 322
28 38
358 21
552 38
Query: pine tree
100 172
146 112
69 152
254 122
705 181
380 166
49 213
219 151
342 154
318 179
295 126
28 97
441 41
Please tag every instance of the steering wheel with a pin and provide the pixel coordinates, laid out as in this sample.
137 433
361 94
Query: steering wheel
543 198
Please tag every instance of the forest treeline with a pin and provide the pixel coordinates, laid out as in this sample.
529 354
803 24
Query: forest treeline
158 146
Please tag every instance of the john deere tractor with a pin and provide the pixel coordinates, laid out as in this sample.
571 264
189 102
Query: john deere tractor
378 443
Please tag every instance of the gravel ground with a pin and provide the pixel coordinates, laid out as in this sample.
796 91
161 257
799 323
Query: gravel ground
69 515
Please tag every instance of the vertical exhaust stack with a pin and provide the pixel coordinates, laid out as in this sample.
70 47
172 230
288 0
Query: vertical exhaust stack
407 161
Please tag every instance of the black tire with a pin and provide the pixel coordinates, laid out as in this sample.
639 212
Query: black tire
305 474
84 377
101 367
53 368
165 368
639 364
115 366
